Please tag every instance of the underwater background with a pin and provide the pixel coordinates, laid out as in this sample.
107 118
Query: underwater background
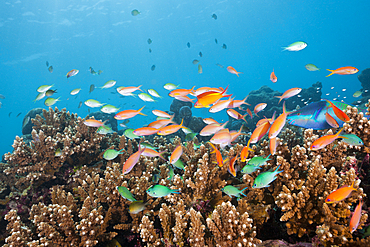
104 35
70 183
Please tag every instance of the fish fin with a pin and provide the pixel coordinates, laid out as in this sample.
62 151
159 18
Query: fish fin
141 112
160 155
243 190
279 97
332 72
175 191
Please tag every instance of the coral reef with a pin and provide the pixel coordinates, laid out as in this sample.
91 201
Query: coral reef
71 199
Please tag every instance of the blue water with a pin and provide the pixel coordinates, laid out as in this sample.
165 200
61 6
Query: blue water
104 35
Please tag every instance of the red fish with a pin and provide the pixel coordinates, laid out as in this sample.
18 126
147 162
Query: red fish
331 121
170 129
343 71
273 77
356 217
233 71
219 159
338 112
278 123
340 194
126 114
132 160
324 141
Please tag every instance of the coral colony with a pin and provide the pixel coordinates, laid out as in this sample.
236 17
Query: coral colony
61 188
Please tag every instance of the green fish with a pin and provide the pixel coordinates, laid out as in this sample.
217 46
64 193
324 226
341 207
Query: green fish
357 94
146 97
109 109
125 193
111 154
129 134
233 191
296 46
249 169
351 139
93 103
311 67
40 96
149 41
156 178
258 160
170 86
190 136
50 92
103 130
160 191
75 91
187 130
135 12
109 84
154 93
123 124
51 101
195 61
147 145
264 179
179 164
136 207
58 152
44 88
171 173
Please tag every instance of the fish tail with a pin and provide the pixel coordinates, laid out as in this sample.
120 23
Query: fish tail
160 155
353 183
225 91
139 88
141 112
244 116
213 146
332 72
181 126
279 97
337 134
284 108
241 192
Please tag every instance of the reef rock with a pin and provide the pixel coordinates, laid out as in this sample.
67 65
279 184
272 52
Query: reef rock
181 110
364 78
27 123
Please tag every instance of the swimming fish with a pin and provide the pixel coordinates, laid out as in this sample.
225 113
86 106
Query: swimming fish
249 169
176 154
207 99
279 123
51 69
153 153
351 139
338 112
126 114
219 159
343 71
93 122
73 72
273 77
224 46
356 217
233 71
135 12
311 67
170 129
58 152
181 92
179 164
136 207
200 69
340 194
331 121
103 130
39 96
129 134
161 123
233 191
160 191
195 61
236 115
132 161
170 86
51 101
289 93
324 141
153 67
154 93
231 167
214 16
93 103
75 91
92 87
146 97
357 94
145 131
127 91
238 103
296 46
259 107
222 137
211 129
125 193
111 154
149 41
259 160
109 109
44 88
109 84
160 113
264 179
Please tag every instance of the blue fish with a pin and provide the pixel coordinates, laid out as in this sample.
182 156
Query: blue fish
312 116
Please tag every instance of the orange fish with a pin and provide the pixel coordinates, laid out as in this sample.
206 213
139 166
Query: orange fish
220 105
343 71
236 115
209 120
324 141
338 112
231 167
152 153
273 77
237 103
176 154
245 152
289 93
208 98
278 123
170 129
181 92
161 123
233 71
259 132
93 122
331 121
340 194
132 160
127 91
145 131
184 99
273 145
222 137
211 129
249 113
259 108
219 159
126 114
235 134
355 220
160 113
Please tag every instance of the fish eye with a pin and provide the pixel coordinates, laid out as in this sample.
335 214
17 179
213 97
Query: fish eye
255 185
328 200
